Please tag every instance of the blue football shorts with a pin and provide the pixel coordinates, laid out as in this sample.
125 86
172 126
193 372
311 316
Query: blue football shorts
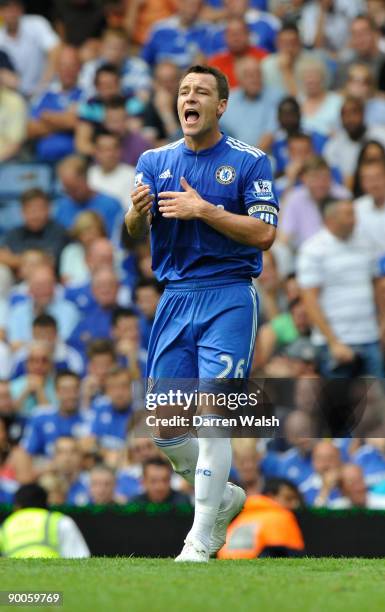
204 329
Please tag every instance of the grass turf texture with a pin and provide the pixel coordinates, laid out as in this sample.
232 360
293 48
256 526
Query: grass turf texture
160 585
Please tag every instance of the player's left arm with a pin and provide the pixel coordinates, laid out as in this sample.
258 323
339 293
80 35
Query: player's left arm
257 227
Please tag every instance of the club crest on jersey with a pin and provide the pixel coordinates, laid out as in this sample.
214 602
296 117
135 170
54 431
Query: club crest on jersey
138 179
263 189
225 175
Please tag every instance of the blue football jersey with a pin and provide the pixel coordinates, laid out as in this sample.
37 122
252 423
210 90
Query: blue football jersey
231 175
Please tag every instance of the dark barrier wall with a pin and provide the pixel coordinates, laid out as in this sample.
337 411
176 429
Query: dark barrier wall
158 531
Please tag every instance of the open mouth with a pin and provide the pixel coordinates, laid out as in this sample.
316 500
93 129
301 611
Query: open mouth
191 116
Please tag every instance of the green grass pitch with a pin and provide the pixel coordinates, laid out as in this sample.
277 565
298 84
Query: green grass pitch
160 585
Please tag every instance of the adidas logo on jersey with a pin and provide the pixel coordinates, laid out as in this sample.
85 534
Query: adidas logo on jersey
166 174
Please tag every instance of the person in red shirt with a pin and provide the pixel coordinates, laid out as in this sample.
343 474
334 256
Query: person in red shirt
238 43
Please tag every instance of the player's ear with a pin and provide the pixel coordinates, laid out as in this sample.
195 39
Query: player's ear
222 105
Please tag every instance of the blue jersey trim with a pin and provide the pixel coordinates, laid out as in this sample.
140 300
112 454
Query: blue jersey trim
206 283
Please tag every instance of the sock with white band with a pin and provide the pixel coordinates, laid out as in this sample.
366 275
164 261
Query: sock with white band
212 472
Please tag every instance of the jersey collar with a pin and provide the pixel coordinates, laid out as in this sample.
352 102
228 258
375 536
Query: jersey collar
205 152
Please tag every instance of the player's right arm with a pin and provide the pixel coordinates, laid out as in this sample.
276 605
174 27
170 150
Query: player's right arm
138 218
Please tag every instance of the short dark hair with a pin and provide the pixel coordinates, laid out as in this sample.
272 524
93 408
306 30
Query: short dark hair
157 462
65 374
107 68
273 486
330 201
44 320
299 136
117 371
148 282
31 496
353 100
33 194
100 346
221 79
116 102
102 132
289 100
288 26
122 313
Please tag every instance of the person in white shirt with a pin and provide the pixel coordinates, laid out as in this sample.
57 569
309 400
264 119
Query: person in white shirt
370 208
336 270
31 44
355 492
342 150
109 175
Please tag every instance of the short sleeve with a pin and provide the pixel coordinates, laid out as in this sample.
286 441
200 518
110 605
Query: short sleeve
259 193
48 38
144 172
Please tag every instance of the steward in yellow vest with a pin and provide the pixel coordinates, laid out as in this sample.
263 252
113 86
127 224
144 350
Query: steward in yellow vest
32 530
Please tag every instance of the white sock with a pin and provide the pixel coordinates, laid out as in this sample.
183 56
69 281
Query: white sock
212 472
183 453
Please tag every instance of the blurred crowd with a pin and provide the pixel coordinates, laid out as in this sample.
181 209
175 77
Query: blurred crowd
85 87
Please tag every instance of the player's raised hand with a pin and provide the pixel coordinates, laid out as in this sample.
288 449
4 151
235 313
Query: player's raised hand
142 199
183 205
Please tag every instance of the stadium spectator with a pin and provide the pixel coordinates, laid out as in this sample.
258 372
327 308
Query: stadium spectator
44 329
295 464
370 207
299 150
101 358
109 175
370 151
91 113
256 105
54 113
37 232
141 16
266 527
66 464
96 323
325 25
13 420
126 334
129 475
280 69
371 459
336 270
62 418
35 387
281 332
360 84
77 21
321 487
343 148
87 228
79 197
41 298
301 215
354 491
157 484
320 108
134 73
160 115
363 48
147 294
63 539
133 144
262 25
31 44
246 464
113 412
289 120
102 485
181 38
13 121
238 46
29 260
